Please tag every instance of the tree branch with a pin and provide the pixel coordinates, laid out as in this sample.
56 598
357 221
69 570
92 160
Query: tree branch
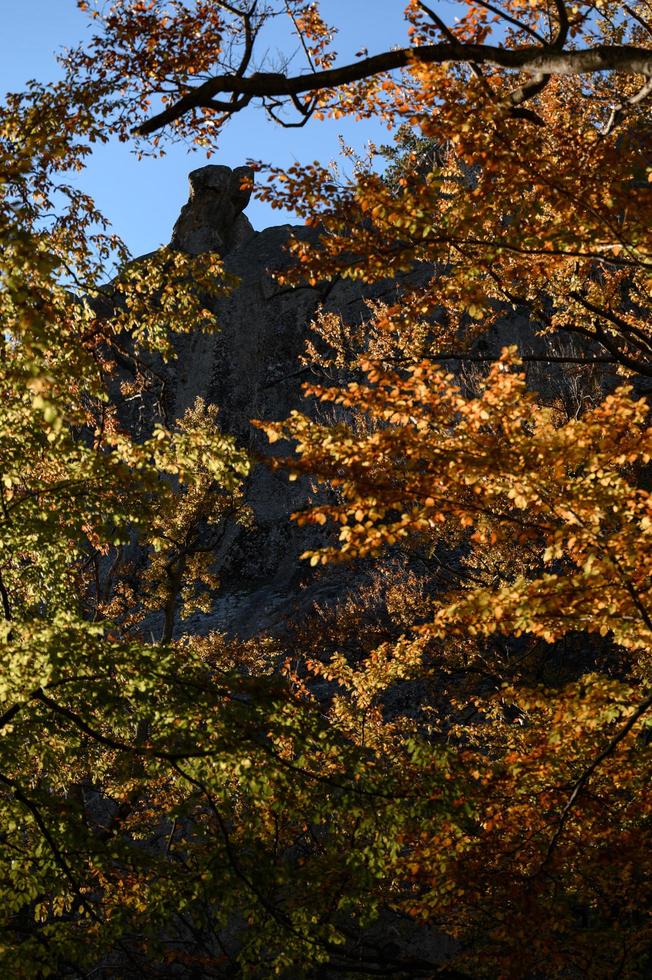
55 850
534 60
512 20
643 707
618 111
6 604
559 39
452 39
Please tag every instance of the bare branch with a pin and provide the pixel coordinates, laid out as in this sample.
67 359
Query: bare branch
559 39
512 20
250 38
625 59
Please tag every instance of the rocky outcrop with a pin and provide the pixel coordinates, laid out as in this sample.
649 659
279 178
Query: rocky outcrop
251 369
212 220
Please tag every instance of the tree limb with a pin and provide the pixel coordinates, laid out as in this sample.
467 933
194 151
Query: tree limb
625 58
618 111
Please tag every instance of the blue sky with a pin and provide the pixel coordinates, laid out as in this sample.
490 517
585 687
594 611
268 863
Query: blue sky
142 198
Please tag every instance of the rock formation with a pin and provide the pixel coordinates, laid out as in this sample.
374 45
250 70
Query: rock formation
251 369
213 219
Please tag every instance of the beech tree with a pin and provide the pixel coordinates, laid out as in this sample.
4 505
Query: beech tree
185 804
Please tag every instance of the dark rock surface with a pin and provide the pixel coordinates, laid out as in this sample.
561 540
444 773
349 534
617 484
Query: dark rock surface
251 369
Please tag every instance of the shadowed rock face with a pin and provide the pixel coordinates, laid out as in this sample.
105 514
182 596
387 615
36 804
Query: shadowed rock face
212 220
251 369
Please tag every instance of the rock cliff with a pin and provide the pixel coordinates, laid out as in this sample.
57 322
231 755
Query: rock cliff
251 369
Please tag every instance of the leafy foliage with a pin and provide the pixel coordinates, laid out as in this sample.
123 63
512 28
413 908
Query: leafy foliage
460 747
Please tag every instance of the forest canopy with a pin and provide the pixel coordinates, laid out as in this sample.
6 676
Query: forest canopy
444 772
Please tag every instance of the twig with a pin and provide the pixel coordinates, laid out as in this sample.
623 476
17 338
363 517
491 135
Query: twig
618 111
643 707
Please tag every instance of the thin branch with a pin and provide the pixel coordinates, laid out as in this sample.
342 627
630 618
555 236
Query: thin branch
532 358
283 122
250 38
635 16
613 318
618 111
285 920
512 20
301 37
326 781
114 743
643 707
6 604
450 36
60 861
606 341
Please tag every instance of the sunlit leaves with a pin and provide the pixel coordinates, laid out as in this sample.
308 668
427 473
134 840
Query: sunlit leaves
459 741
